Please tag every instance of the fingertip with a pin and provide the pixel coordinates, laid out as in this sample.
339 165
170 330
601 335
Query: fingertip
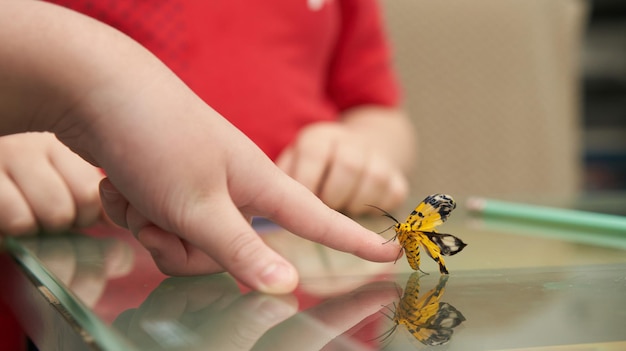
20 226
113 203
392 250
277 278
89 206
306 216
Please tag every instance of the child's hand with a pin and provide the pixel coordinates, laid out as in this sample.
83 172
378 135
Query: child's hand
346 167
44 185
191 192
183 179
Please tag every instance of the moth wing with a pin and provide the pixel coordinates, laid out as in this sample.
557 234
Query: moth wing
431 337
428 320
431 212
448 244
447 317
434 323
418 324
428 304
434 251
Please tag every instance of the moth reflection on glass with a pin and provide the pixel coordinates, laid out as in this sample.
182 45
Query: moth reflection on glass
426 318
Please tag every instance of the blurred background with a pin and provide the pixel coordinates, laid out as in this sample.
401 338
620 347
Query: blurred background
604 83
514 97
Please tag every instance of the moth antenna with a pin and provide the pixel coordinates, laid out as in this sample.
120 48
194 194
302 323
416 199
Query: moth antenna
384 336
393 311
382 231
385 213
388 334
392 238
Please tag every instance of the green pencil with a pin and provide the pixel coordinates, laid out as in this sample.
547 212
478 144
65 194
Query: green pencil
547 215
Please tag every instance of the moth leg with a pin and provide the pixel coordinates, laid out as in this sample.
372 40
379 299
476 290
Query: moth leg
399 255
433 251
393 238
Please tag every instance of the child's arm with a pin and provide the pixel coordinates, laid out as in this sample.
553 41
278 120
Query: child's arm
178 173
365 158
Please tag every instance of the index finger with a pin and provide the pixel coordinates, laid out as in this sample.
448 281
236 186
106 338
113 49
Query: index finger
302 213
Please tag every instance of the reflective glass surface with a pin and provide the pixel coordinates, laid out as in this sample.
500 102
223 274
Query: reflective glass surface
515 286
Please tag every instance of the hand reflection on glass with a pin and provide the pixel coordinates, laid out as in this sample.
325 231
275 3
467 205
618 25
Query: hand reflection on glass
318 327
430 321
193 313
84 264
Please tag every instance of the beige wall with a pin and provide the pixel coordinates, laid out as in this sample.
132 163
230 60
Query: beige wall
492 86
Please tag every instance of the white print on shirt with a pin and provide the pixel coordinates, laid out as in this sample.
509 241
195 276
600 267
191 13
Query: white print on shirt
315 5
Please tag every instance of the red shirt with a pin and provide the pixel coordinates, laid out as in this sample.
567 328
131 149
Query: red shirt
270 67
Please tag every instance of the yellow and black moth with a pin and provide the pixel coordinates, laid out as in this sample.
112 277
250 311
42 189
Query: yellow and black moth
419 230
428 319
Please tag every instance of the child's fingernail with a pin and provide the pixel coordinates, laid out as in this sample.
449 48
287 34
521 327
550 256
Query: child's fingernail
278 278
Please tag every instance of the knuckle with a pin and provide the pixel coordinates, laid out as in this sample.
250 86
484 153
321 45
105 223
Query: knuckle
378 177
352 166
398 191
241 249
56 219
313 154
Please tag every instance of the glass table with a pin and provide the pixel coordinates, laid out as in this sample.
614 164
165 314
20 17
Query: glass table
516 286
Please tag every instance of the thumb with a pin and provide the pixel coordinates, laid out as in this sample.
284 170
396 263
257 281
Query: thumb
219 230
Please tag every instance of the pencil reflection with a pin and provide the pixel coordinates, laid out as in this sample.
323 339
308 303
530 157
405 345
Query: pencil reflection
429 320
